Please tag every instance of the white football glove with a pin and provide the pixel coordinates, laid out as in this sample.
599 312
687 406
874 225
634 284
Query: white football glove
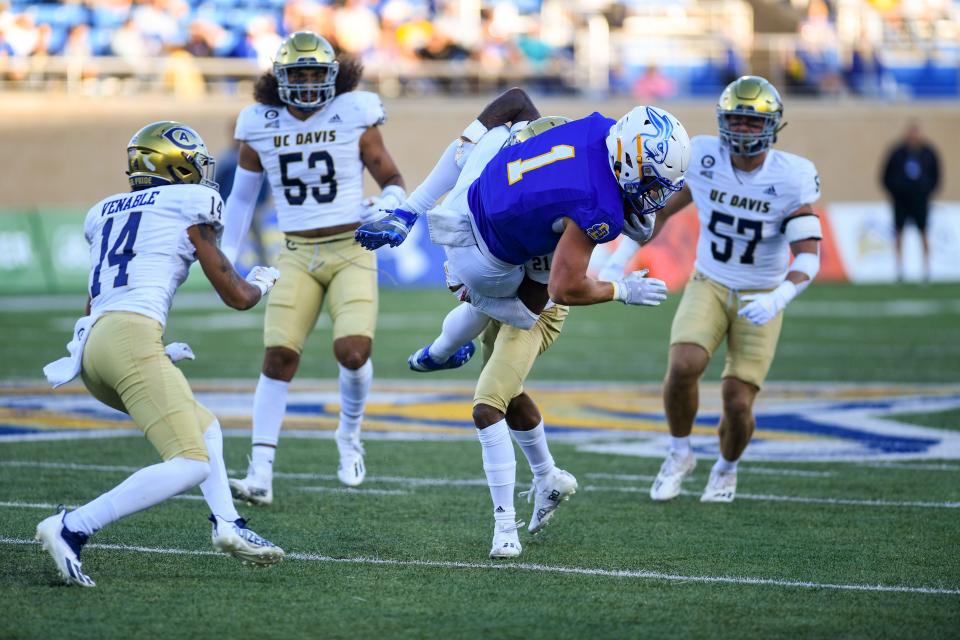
639 228
376 207
178 351
263 278
764 307
640 290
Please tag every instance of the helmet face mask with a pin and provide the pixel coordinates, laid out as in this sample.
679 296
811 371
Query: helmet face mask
649 152
167 152
754 97
306 70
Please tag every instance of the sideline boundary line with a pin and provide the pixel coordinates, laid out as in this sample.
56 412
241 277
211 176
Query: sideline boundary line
542 568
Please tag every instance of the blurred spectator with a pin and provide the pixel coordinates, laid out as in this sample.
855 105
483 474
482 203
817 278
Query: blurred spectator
653 86
911 174
357 28
181 75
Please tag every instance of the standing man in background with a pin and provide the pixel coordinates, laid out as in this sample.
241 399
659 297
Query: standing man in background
911 175
312 135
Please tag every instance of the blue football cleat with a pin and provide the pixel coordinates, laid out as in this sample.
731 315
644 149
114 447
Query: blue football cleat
392 229
421 360
64 547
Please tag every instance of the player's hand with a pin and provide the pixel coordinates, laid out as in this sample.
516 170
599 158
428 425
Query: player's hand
263 278
178 351
761 308
392 229
639 228
637 289
464 147
377 206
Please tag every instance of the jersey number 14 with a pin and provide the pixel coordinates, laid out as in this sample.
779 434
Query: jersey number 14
120 254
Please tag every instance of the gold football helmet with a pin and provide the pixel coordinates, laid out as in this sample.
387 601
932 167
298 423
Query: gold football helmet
536 127
306 70
756 97
169 152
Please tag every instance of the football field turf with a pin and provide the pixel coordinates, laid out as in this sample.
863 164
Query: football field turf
854 548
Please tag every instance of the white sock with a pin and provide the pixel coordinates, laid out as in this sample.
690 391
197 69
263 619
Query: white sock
617 262
534 445
354 388
507 310
723 465
144 489
464 323
442 178
500 466
269 406
261 458
680 446
216 489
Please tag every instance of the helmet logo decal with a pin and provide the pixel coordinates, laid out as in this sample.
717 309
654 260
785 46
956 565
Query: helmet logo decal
181 137
657 147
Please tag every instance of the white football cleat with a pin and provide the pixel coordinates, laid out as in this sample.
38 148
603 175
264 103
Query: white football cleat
666 486
547 494
256 489
506 540
721 487
351 470
64 547
235 539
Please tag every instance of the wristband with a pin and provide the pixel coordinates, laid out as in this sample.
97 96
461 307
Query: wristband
474 131
394 190
616 292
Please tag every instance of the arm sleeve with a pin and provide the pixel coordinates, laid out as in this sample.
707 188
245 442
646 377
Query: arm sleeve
239 210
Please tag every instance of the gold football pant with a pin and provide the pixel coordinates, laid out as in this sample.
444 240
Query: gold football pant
708 313
124 366
335 269
509 354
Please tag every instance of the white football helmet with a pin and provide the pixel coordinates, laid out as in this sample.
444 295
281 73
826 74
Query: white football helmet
649 154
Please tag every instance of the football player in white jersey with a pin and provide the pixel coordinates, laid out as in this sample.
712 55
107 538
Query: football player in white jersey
755 208
142 244
313 135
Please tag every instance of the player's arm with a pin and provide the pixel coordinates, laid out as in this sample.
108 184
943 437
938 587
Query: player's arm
570 285
513 105
238 213
233 289
675 204
803 231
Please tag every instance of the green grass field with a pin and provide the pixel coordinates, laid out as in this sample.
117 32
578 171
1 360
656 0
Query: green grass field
812 550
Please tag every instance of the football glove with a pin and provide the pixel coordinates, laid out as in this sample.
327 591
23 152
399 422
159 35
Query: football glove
640 290
263 278
639 228
178 351
388 200
761 308
392 229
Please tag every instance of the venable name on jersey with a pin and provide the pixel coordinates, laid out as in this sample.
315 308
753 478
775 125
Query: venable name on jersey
743 202
140 199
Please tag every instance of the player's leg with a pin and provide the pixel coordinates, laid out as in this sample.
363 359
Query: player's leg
454 346
920 218
698 328
900 215
353 299
292 310
123 363
750 352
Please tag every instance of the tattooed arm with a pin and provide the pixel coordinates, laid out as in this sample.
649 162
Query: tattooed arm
233 289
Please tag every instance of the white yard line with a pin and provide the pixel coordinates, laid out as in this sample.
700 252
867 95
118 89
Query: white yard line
914 466
542 568
799 499
373 492
478 482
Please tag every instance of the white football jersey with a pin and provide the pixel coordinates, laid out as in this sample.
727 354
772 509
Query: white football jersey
139 249
741 243
313 165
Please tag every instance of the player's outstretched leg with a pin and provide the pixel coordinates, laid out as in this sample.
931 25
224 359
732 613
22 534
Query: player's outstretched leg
548 493
420 360
235 539
64 547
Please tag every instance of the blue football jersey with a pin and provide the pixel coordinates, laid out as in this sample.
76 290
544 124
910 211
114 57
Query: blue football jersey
563 172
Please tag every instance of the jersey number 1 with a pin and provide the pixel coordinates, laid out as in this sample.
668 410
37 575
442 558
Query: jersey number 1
121 253
517 168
